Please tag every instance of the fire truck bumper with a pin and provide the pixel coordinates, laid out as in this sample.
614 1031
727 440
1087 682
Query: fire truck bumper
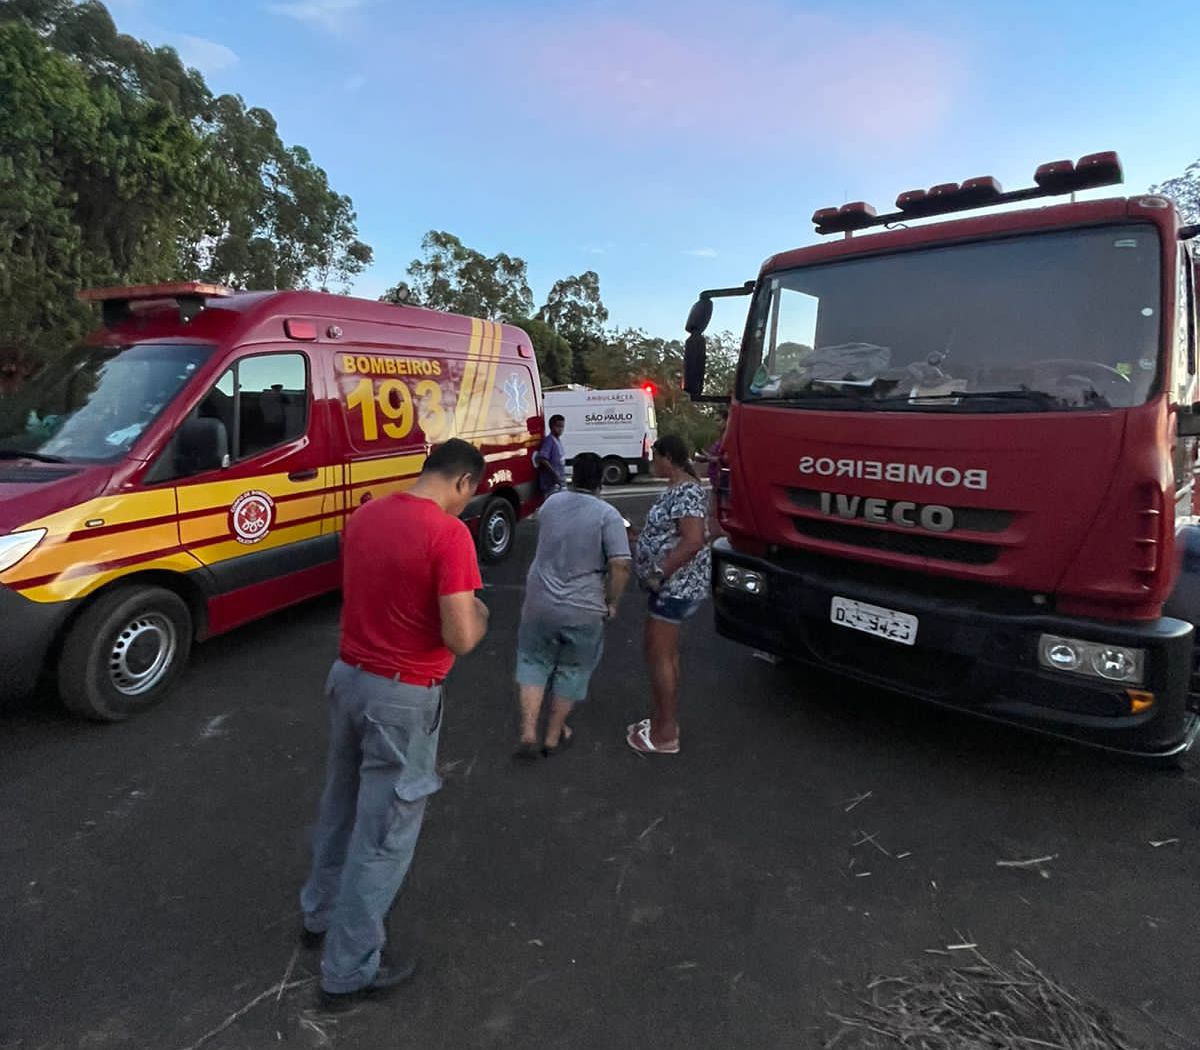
29 629
966 656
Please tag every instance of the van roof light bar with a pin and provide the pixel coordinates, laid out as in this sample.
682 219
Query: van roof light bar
116 303
1057 177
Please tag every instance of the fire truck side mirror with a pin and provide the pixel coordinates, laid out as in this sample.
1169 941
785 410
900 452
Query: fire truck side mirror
699 316
1188 420
695 359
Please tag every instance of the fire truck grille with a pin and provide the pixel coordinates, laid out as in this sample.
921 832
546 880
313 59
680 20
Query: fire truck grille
964 552
937 673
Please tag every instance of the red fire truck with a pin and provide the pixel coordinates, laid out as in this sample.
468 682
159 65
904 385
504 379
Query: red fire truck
959 459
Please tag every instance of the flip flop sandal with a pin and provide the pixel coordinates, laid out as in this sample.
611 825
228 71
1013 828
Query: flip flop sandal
527 753
564 742
639 739
633 727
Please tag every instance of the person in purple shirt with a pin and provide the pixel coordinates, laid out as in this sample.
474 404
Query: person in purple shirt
551 462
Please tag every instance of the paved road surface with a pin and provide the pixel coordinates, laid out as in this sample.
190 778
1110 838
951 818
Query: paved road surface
720 899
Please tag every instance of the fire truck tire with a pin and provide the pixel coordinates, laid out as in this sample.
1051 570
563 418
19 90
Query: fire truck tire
497 528
615 472
124 652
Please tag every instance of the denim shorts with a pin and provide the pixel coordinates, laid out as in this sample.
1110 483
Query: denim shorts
558 656
673 610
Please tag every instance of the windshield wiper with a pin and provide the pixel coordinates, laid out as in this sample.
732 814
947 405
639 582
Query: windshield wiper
38 457
1036 397
826 398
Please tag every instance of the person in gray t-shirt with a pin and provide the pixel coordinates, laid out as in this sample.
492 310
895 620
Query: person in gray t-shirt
578 573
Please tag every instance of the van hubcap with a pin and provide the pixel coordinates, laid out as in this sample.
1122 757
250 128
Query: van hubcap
498 533
142 653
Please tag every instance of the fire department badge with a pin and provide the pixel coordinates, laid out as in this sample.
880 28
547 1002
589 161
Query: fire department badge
251 515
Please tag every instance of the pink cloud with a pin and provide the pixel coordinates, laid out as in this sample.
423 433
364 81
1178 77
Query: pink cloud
758 72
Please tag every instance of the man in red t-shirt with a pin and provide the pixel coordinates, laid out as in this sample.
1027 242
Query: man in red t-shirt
408 584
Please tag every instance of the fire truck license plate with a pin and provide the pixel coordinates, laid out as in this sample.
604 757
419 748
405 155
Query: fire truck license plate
872 619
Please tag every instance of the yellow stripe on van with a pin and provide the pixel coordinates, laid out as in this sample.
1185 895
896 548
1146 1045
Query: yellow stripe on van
377 489
220 495
468 378
487 379
118 509
362 471
51 557
81 586
277 537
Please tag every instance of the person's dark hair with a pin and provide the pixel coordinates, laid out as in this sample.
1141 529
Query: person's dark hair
587 472
454 459
672 448
556 418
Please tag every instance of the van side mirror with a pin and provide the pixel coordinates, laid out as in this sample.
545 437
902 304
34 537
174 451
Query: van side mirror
201 445
695 361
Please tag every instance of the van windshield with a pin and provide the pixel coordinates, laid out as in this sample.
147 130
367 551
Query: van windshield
1058 321
92 404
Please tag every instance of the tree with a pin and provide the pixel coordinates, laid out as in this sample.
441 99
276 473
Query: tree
117 165
458 279
574 308
552 351
1184 190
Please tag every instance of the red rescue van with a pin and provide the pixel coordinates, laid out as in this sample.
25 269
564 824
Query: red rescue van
191 468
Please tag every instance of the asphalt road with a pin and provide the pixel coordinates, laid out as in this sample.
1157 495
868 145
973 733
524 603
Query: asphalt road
726 898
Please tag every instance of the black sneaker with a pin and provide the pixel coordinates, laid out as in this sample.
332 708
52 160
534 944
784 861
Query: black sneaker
386 981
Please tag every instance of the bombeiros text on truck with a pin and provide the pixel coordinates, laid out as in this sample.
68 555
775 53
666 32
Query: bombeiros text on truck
192 466
960 455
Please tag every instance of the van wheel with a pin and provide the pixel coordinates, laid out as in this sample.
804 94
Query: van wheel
124 652
497 525
615 472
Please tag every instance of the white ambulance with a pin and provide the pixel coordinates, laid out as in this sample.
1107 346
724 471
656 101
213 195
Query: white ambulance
618 425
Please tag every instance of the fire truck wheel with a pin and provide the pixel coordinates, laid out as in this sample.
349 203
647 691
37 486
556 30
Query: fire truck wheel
123 653
496 527
615 472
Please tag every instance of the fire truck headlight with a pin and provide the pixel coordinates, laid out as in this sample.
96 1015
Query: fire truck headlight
16 545
734 578
1113 663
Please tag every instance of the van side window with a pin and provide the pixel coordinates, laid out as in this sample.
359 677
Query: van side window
272 402
258 404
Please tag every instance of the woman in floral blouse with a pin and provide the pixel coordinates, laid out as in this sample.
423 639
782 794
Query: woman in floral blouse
674 564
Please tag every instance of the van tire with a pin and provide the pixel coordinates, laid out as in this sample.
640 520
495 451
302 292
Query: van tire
614 471
497 530
124 652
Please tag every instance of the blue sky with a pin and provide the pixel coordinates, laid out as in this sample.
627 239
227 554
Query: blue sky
671 145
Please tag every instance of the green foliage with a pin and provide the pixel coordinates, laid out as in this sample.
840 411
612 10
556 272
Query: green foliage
1184 190
117 165
553 352
453 277
568 334
574 308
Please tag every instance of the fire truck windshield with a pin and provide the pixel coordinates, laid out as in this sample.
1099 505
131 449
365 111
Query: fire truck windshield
92 404
1044 322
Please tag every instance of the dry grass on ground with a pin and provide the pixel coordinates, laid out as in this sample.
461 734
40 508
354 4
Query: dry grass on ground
975 1005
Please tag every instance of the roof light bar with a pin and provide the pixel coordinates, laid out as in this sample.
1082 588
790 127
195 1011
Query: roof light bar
116 302
1057 177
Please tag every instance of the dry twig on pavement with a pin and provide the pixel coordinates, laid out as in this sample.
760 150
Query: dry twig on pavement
976 1006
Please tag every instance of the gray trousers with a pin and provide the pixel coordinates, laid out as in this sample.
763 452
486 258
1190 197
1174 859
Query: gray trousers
382 766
